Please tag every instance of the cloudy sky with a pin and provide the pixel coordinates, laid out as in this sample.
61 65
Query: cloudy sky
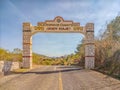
14 12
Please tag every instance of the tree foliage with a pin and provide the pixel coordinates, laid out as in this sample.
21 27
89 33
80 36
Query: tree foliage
15 55
108 48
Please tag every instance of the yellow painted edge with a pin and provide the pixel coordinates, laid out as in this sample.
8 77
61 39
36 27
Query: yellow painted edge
60 81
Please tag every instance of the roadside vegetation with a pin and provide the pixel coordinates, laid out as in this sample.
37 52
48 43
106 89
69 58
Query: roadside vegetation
107 50
16 55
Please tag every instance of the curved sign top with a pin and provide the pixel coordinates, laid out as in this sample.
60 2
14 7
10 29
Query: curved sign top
58 25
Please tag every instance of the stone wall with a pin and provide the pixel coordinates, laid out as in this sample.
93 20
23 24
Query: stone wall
1 67
89 46
7 66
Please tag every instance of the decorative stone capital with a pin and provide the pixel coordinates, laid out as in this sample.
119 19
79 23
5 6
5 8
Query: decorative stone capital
89 27
26 26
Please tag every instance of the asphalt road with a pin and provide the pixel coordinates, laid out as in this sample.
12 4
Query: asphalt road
59 78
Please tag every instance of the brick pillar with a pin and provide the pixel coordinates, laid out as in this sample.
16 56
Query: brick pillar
27 46
89 46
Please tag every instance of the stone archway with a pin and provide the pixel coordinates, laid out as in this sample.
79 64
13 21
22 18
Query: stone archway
59 25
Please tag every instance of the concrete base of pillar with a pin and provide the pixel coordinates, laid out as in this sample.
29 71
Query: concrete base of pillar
27 63
89 62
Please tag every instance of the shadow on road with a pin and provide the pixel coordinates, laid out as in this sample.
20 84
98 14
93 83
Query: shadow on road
59 69
50 72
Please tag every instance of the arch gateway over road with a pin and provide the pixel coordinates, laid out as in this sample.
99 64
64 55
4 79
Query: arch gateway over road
59 25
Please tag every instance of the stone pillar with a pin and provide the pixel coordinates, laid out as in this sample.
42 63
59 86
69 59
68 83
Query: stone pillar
89 46
27 46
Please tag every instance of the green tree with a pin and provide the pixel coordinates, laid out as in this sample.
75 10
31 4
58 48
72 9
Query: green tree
3 54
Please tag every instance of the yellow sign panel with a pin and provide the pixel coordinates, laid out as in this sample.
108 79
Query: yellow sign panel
38 27
77 28
42 28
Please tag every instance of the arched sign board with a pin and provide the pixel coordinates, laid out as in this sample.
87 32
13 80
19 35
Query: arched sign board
58 25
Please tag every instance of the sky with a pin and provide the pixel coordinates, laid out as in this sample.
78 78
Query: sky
14 12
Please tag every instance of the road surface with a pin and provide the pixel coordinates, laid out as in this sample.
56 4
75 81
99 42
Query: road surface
59 78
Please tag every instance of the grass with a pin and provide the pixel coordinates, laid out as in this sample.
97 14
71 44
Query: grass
21 70
107 73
